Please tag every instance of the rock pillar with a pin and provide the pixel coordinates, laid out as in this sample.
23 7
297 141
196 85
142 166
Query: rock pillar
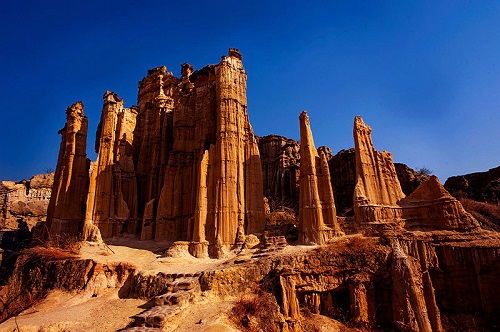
112 198
66 210
408 300
312 213
199 245
377 189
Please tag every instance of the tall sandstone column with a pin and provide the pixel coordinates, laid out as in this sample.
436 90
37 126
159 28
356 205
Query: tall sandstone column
377 189
112 193
66 210
239 199
316 205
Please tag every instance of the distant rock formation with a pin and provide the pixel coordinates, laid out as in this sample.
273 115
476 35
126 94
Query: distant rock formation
379 202
66 210
280 157
480 186
377 188
343 175
317 205
409 178
26 200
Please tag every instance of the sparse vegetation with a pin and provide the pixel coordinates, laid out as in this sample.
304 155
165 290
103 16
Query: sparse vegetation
284 217
256 312
17 297
48 170
487 214
423 171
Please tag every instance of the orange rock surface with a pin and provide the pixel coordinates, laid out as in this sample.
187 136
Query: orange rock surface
66 210
317 205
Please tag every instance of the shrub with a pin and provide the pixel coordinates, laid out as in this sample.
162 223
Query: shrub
423 171
255 312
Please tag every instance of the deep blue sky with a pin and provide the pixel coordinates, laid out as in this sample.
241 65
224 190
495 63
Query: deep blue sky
425 75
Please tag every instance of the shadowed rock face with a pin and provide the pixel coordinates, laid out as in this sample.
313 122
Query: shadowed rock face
280 157
480 186
409 178
66 211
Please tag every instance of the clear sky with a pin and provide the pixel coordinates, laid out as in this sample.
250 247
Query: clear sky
425 75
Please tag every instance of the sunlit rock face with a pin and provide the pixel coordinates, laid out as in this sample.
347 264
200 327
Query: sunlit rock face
188 146
317 213
380 204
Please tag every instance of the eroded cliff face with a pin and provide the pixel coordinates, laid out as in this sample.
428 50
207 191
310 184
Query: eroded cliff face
184 167
280 157
26 200
185 156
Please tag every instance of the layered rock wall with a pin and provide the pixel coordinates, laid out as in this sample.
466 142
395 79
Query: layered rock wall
26 200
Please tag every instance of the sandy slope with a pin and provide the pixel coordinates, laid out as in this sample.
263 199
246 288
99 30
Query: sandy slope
62 311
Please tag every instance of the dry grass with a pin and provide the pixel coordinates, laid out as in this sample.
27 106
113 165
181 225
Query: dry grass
284 217
256 312
354 245
19 297
487 214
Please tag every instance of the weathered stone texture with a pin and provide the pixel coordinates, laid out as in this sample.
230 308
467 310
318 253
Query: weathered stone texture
26 200
112 198
317 206
66 211
280 157
408 300
147 177
377 189
431 207
377 181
